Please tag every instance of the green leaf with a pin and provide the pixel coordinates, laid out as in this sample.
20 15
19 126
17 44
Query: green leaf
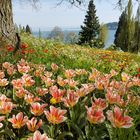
62 135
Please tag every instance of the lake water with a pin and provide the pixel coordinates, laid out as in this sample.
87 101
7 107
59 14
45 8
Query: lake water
109 41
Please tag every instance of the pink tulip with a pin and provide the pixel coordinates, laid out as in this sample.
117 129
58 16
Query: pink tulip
18 121
61 82
37 136
1 119
37 109
94 115
55 115
23 69
27 80
71 99
2 75
17 83
33 125
6 107
119 119
57 94
54 67
99 103
6 65
69 73
3 82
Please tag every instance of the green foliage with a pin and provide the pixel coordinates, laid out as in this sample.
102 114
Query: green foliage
71 38
136 38
56 34
124 37
90 31
103 33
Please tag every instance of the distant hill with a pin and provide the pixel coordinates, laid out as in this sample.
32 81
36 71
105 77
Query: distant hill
112 25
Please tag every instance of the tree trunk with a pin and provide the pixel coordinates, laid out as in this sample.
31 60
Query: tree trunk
7 29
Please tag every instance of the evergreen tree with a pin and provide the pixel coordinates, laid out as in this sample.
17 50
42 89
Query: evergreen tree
28 29
136 48
120 35
90 30
125 31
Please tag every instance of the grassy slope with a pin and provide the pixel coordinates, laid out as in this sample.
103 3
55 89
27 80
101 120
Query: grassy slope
74 56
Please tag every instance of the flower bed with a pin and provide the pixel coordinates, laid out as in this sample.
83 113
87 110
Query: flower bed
57 103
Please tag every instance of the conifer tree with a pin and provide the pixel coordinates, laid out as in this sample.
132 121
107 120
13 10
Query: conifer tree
125 31
28 29
120 35
90 30
136 48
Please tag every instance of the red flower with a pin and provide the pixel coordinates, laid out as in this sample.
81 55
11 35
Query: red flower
10 48
23 46
139 70
45 51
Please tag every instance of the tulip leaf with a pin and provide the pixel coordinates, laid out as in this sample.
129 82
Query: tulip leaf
62 135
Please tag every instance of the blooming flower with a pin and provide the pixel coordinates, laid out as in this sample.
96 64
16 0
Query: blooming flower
99 103
119 119
41 91
17 84
6 107
94 115
6 65
3 98
95 73
33 125
57 94
18 121
37 109
49 82
54 67
61 82
37 136
11 70
125 77
72 83
10 48
23 46
2 74
55 115
113 98
27 80
71 99
23 69
29 98
20 93
69 73
3 82
1 119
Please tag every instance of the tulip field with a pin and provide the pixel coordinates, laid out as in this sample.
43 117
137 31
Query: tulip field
52 91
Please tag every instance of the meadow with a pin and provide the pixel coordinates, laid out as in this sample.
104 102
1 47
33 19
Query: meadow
49 90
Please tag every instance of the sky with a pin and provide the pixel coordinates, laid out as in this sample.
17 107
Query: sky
48 14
